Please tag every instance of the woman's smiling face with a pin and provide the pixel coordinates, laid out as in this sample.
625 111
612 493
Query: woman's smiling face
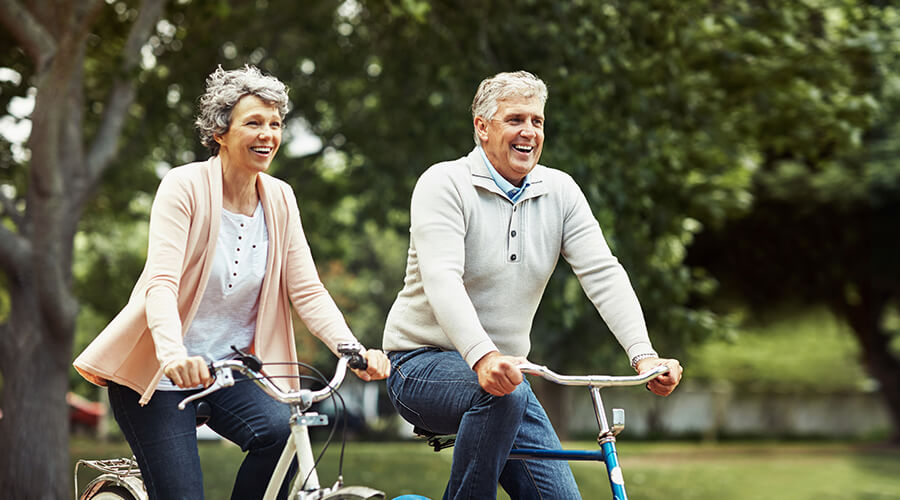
253 136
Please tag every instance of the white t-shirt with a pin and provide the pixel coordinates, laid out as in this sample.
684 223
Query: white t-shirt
227 313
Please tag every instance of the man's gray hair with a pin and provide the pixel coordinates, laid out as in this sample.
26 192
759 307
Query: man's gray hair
504 86
223 91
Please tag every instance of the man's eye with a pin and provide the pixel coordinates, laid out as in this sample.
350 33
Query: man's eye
514 121
538 123
252 122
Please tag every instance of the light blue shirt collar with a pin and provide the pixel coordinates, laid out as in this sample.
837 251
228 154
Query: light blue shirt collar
512 192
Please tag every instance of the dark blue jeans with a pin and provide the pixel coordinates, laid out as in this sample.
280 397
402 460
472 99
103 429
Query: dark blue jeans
437 391
164 438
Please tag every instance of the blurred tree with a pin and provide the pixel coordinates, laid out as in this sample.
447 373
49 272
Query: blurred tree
43 197
823 228
661 110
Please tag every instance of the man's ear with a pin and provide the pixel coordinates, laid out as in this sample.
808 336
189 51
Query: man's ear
481 128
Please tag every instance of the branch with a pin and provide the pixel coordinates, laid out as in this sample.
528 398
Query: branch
29 33
123 91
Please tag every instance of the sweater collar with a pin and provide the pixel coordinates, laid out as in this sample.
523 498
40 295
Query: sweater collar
481 178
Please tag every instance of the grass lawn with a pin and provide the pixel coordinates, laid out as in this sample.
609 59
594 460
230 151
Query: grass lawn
680 471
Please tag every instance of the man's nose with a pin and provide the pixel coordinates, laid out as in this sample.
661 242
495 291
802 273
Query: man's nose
528 130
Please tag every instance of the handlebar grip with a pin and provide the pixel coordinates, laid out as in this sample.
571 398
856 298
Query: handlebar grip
357 362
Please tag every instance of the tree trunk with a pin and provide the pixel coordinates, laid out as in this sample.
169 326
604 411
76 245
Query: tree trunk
36 340
34 430
865 318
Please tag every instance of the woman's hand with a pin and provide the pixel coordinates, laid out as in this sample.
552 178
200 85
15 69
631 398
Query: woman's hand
664 384
379 366
188 372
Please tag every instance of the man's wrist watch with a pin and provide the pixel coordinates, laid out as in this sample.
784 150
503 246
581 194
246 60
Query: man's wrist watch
636 359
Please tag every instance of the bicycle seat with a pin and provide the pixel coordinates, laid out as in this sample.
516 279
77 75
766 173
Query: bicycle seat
436 441
204 412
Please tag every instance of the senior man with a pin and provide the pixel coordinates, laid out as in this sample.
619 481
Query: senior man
486 232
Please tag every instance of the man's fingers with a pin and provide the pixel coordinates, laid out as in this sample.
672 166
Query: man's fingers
505 380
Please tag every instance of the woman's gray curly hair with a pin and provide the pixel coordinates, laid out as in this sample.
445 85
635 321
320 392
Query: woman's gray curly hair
504 86
223 91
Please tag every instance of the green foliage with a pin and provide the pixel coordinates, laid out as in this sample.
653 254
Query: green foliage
665 112
788 353
823 226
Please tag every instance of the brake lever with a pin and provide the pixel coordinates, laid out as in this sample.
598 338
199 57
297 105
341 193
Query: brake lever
224 378
249 360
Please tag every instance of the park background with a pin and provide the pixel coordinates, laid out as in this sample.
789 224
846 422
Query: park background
740 155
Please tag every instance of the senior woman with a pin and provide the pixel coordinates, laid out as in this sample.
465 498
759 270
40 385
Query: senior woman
227 257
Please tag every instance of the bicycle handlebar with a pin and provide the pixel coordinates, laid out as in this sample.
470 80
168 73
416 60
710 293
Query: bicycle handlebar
222 371
598 381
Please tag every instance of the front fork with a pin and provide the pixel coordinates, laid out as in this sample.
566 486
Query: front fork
607 441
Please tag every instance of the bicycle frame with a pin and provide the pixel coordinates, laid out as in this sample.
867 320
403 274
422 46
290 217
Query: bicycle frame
306 482
607 436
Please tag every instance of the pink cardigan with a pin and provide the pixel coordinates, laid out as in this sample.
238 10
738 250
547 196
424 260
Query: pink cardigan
184 224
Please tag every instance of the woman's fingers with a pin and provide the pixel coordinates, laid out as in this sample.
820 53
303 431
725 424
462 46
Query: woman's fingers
188 372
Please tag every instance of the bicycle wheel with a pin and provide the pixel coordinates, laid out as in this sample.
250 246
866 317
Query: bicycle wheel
112 492
112 487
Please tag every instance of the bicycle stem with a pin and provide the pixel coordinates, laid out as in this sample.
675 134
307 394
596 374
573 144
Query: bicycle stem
600 412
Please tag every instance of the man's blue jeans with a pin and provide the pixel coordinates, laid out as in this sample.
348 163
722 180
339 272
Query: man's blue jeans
164 438
437 391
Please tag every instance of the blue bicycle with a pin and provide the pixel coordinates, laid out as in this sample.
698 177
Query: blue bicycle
606 438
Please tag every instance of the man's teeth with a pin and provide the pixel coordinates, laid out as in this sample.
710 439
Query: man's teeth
523 149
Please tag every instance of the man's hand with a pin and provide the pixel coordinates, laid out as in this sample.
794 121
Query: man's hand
379 366
498 374
188 372
664 384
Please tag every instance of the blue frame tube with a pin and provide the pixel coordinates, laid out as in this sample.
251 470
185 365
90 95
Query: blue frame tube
532 454
616 479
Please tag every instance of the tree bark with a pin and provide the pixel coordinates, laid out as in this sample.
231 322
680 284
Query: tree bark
34 432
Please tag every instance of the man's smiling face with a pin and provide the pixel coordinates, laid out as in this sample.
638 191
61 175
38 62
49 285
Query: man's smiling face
514 137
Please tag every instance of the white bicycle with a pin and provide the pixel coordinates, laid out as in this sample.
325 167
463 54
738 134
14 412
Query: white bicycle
120 478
